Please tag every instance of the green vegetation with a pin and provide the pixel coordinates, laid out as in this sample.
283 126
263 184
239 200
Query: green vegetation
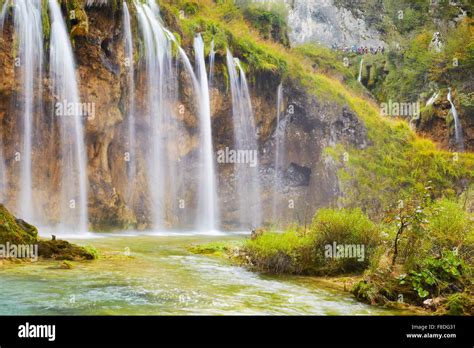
62 250
396 160
270 23
434 267
19 232
300 251
215 248
15 231
420 255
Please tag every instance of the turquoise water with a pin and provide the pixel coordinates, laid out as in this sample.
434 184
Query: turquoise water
157 275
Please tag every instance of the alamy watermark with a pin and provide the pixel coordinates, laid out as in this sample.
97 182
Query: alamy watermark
400 109
344 251
237 157
65 108
19 251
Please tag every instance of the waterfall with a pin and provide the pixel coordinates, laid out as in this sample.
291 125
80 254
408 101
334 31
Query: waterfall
279 151
245 142
212 60
29 34
3 14
161 79
432 99
73 201
132 160
360 70
458 136
207 206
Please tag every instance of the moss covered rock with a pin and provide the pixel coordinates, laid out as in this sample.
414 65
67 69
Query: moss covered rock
15 231
62 250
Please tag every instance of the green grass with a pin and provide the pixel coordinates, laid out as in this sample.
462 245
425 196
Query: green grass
300 251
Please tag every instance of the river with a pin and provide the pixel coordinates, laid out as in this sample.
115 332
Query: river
157 275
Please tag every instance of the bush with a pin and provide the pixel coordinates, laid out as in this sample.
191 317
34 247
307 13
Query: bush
342 228
289 253
297 251
271 24
438 276
436 262
459 304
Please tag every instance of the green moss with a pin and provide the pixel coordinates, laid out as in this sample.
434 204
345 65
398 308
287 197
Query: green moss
365 292
210 248
66 265
395 163
62 250
45 20
15 231
325 60
460 304
92 251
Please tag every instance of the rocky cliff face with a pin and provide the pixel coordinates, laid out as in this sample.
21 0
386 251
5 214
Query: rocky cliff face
309 179
328 23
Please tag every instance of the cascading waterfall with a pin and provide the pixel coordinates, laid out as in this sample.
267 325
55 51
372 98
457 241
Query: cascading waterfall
29 33
161 72
432 99
360 70
458 136
207 205
73 202
212 61
279 151
3 15
129 64
157 49
245 140
161 79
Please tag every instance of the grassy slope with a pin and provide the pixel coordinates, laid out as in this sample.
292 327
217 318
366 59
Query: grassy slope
396 162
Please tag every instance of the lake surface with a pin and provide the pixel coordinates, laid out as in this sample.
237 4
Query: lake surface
157 275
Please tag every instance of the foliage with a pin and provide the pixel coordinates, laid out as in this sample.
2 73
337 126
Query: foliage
271 24
15 231
435 274
450 226
289 252
436 245
300 251
459 304
409 216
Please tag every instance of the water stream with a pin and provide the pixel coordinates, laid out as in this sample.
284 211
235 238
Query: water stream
279 153
458 136
130 66
245 142
29 33
360 70
161 277
207 205
67 112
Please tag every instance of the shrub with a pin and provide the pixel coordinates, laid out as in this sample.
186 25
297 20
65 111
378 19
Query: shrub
344 227
437 276
297 251
271 24
449 225
288 252
459 304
